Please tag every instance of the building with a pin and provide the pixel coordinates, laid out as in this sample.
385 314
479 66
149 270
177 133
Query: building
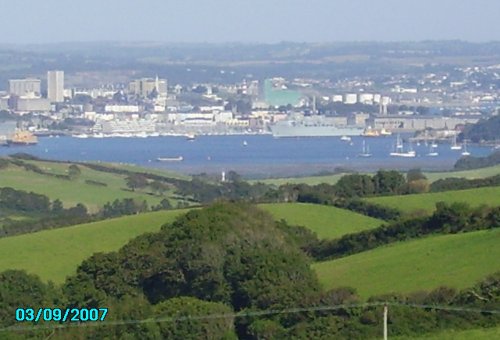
25 87
145 86
399 123
55 86
32 104
350 98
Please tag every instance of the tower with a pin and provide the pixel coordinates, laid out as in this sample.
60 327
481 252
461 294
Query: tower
55 86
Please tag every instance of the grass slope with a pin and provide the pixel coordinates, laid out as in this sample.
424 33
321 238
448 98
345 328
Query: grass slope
476 334
55 254
457 261
75 191
427 202
327 222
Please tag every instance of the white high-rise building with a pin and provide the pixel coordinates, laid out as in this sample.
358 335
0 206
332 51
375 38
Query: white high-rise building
55 86
25 87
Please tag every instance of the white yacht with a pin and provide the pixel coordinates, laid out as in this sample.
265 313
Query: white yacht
465 152
365 151
454 145
399 150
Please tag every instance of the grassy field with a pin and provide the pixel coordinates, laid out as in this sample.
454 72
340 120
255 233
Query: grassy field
327 222
457 261
54 254
476 334
155 171
74 191
469 174
311 180
427 202
432 176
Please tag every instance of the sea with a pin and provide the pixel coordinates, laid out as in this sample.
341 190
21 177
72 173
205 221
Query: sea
254 156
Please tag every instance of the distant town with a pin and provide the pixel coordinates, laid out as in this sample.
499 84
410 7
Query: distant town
436 104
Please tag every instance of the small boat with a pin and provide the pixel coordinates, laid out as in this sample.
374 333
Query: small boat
245 143
369 132
434 144
345 138
385 132
190 136
465 152
432 151
170 159
82 135
454 145
366 151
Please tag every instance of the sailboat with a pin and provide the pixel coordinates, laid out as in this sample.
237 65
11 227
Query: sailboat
432 150
366 151
399 151
454 145
465 152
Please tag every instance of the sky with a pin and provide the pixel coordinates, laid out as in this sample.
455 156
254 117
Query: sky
267 21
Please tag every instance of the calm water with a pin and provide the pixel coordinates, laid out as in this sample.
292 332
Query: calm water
262 156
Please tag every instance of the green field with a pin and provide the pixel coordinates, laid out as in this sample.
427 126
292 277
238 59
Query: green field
476 334
432 176
54 254
469 174
327 222
74 191
427 202
457 261
311 180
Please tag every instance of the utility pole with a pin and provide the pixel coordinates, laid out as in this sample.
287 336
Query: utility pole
385 322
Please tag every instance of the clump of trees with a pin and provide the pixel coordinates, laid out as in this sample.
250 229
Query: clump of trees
484 130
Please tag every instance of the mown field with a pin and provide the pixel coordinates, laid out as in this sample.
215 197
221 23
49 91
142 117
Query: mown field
427 202
457 261
74 191
327 222
432 176
54 254
476 334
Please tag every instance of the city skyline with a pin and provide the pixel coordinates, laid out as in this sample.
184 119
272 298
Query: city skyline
257 21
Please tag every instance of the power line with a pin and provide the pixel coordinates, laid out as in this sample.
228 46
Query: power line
247 314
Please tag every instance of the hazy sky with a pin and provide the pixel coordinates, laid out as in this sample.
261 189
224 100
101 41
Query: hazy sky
32 21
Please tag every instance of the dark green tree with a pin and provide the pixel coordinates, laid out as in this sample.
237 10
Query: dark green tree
136 181
389 182
57 207
415 175
74 172
188 309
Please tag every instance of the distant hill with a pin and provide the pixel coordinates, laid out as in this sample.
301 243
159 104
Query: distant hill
471 162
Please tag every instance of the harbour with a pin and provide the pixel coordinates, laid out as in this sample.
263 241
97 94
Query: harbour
255 156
